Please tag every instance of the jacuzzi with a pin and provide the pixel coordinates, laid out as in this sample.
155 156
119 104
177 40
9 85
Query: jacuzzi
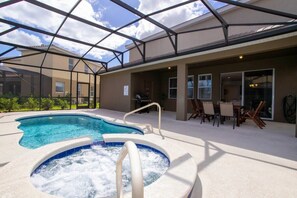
177 181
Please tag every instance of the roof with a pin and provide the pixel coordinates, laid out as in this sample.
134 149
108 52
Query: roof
52 48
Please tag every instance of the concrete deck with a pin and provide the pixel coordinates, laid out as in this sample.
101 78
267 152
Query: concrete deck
245 162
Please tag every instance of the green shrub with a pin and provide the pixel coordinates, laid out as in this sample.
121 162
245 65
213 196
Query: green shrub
12 104
47 103
92 105
63 103
3 103
32 103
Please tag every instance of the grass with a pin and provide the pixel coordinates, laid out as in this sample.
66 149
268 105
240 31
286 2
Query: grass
54 108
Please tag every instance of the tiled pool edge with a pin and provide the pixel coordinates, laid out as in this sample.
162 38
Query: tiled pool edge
15 177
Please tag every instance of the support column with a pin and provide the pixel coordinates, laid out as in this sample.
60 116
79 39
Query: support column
95 91
182 92
70 89
296 121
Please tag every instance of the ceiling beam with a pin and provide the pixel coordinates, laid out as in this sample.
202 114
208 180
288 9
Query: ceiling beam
7 51
9 30
7 3
58 11
218 17
50 52
261 9
138 13
52 34
61 25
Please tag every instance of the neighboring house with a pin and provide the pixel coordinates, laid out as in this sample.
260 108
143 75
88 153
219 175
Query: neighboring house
245 73
24 77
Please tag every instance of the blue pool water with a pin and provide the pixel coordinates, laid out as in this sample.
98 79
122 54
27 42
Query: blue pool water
39 131
90 171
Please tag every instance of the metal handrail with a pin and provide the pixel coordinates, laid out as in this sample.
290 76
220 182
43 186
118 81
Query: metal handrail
146 106
136 171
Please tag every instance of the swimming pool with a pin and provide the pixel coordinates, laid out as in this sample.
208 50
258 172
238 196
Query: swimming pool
89 171
42 130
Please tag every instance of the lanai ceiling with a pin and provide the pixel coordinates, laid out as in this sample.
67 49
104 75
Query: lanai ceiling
99 31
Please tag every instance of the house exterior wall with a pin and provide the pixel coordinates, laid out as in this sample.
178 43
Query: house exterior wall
285 68
112 88
50 77
284 65
235 15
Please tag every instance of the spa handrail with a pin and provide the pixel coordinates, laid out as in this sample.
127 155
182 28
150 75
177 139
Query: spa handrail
146 106
136 171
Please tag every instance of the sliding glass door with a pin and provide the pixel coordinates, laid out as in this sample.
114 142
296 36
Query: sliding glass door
258 85
249 88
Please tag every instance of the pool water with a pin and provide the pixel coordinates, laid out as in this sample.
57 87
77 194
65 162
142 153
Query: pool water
39 131
90 171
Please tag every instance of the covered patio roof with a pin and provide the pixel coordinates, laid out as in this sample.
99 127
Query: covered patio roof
98 31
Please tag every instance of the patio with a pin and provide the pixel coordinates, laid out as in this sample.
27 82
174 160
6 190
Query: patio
245 162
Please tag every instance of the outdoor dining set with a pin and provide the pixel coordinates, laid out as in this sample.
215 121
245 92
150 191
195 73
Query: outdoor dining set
221 111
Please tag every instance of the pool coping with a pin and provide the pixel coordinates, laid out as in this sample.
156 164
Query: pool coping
177 181
9 126
180 177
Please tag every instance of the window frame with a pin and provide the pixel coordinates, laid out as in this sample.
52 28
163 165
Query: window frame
63 87
170 88
70 65
199 87
91 91
191 76
86 68
79 90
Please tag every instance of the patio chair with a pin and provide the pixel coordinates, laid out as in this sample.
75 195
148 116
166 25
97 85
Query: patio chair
208 110
227 110
255 115
196 109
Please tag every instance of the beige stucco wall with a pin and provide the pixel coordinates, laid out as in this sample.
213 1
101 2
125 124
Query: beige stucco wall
34 60
59 62
236 15
285 68
112 92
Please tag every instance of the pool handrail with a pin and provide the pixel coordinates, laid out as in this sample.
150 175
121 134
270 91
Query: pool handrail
136 171
144 107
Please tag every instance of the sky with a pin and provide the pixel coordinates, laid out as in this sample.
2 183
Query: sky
102 12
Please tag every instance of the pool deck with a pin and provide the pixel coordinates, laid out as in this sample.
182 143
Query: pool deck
245 162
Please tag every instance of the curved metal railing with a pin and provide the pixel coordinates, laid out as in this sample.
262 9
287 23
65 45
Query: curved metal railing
146 106
136 171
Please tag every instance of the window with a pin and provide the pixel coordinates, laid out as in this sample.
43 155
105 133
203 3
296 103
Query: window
86 68
204 87
70 63
92 91
173 87
60 86
190 87
79 90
